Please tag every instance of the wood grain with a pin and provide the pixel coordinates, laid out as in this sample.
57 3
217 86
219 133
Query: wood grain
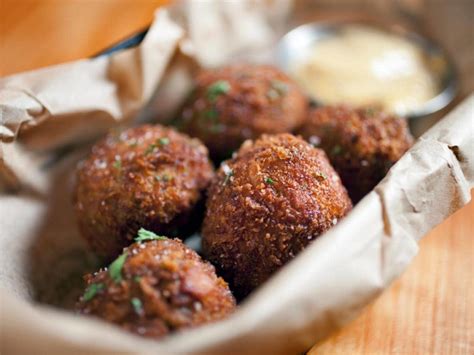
429 310
37 33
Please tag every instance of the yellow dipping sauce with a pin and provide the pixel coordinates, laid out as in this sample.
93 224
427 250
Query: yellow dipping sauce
366 66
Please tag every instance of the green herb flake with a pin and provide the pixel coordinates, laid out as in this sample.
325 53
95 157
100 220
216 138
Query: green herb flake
93 290
137 305
133 143
144 235
211 114
150 148
228 174
280 87
269 181
228 177
117 164
137 278
115 268
369 111
277 90
216 89
273 94
164 141
163 177
159 142
336 150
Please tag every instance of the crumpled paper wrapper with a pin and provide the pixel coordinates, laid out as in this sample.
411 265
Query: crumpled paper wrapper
48 119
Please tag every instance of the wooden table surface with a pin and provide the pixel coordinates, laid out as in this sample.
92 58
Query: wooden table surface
429 310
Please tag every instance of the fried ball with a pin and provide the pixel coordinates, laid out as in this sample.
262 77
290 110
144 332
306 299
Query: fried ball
362 143
148 176
266 204
155 288
239 102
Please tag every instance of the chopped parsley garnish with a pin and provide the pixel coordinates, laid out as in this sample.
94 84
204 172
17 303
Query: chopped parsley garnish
164 141
228 174
163 177
117 164
216 89
272 94
93 290
269 181
159 142
336 150
277 89
137 278
144 235
115 269
211 114
150 148
228 177
137 305
280 87
370 111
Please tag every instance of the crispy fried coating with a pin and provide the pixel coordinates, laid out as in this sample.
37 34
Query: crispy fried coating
239 102
148 176
266 204
361 143
158 287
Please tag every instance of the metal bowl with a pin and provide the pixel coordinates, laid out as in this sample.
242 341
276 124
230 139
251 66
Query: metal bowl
297 44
